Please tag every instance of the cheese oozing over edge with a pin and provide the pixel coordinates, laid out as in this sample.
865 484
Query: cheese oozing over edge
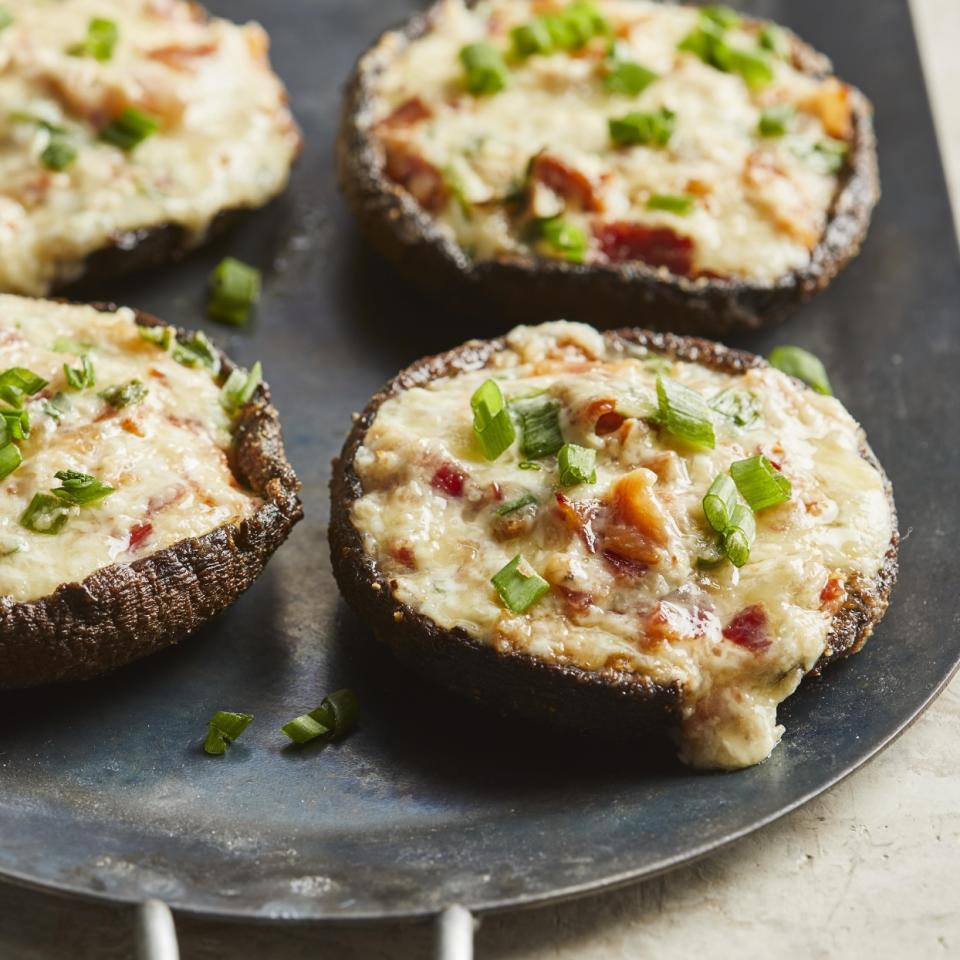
166 457
226 138
493 168
620 554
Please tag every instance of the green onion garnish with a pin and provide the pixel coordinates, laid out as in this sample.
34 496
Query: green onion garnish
576 465
14 424
240 387
56 407
130 129
755 70
10 459
719 501
58 154
564 239
234 289
712 555
760 483
648 129
740 406
124 394
531 38
803 365
723 17
682 412
585 22
706 41
540 425
519 585
775 120
773 40
224 728
335 717
68 345
458 191
513 505
101 38
79 378
17 383
197 351
529 465
628 78
831 154
80 489
484 69
680 204
492 425
738 538
304 729
46 514
6 18
160 335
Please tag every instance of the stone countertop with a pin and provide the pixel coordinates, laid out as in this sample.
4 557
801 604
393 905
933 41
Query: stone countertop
870 869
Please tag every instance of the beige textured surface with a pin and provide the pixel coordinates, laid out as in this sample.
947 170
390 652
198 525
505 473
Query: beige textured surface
871 869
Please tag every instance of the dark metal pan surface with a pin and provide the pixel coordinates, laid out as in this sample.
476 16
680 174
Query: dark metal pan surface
104 790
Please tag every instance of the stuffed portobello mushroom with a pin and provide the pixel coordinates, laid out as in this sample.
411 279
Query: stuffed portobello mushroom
623 534
131 131
144 487
617 161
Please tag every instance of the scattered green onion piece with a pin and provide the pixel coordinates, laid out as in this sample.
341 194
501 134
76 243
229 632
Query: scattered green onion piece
540 426
161 335
46 514
102 36
492 424
25 116
58 155
80 489
14 425
82 377
197 351
724 17
576 465
240 387
803 365
739 536
519 585
68 345
831 154
740 406
234 289
124 394
484 69
773 40
711 556
628 78
760 483
531 38
682 412
775 120
304 729
565 239
56 407
457 190
563 34
645 129
224 728
586 22
680 204
706 41
6 18
529 465
17 383
10 459
719 501
513 505
339 711
130 129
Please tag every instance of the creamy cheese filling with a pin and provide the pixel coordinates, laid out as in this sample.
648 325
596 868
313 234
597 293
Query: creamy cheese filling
226 138
165 456
621 554
493 168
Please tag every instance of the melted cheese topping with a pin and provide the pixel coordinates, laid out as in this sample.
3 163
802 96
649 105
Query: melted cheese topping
760 204
626 592
226 138
165 457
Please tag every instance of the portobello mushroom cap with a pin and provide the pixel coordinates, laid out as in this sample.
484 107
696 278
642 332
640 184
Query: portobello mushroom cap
125 611
533 289
614 704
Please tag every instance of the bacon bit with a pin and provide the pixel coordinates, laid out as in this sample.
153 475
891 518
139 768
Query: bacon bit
673 624
579 516
156 374
699 188
833 593
831 103
407 114
449 479
416 175
566 181
609 423
624 566
748 628
131 426
404 555
637 506
139 532
622 241
185 423
578 600
181 57
166 498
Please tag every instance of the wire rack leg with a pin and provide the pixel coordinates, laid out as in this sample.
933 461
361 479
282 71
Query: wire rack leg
454 934
156 935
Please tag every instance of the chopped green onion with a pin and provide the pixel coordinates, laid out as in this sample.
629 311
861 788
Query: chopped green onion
531 38
234 289
775 120
576 465
628 78
738 538
10 459
740 406
682 412
529 465
831 154
519 585
484 69
56 407
565 239
803 365
648 129
719 501
457 190
46 514
304 729
14 425
773 40
585 21
6 18
240 387
760 483
224 728
67 345
723 17
25 116
563 34
680 204
514 505
79 378
58 154
17 383
160 335
712 555
540 426
197 351
124 394
130 129
80 489
492 424
101 38
706 41
335 717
